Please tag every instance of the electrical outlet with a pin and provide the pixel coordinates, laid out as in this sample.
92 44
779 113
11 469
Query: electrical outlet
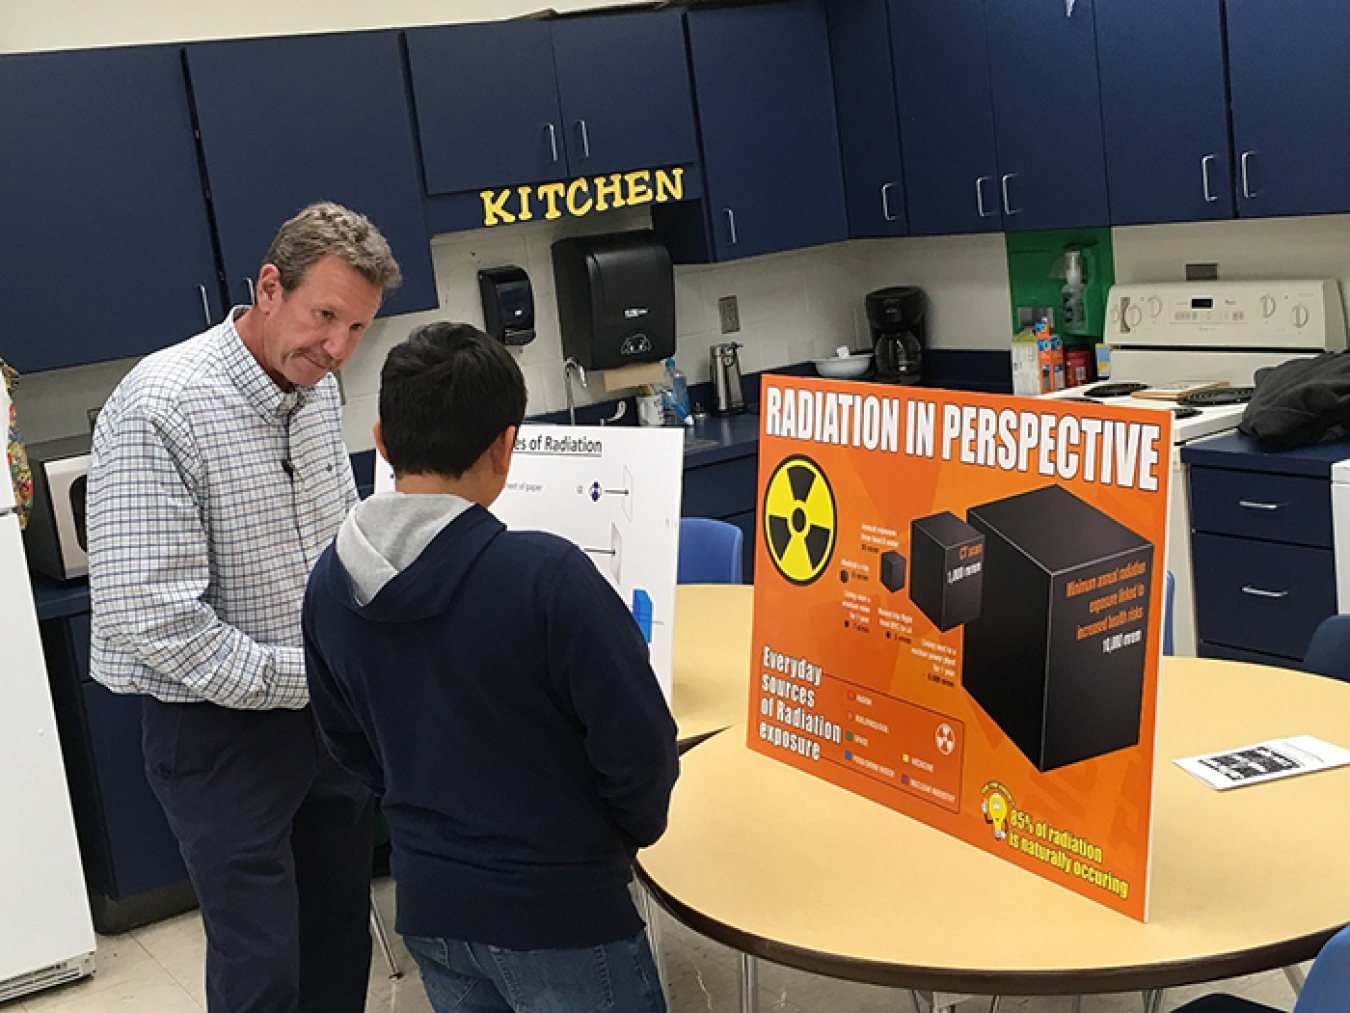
730 314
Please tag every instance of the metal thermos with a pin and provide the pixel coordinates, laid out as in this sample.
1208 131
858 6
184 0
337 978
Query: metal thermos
725 365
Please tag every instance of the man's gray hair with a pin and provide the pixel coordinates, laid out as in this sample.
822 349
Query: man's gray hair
326 229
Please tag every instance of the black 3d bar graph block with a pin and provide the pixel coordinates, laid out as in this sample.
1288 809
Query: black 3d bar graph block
1057 655
892 571
945 556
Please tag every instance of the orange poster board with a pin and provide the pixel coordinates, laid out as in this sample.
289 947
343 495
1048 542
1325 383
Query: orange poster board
959 604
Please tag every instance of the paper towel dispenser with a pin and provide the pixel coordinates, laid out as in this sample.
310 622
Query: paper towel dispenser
616 299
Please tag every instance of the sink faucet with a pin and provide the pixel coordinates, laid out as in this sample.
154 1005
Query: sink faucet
568 366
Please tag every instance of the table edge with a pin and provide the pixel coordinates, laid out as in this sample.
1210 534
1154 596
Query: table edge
1132 978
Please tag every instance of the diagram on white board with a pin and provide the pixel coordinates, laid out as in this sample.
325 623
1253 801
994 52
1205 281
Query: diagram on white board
615 493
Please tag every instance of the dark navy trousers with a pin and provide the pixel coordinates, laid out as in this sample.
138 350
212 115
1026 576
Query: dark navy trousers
277 840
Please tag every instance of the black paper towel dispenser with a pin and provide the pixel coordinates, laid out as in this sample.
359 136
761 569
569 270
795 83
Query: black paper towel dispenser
616 299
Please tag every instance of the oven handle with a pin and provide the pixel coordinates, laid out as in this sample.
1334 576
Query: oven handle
1257 592
1252 504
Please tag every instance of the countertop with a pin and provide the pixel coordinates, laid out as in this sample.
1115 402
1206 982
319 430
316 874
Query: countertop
1240 452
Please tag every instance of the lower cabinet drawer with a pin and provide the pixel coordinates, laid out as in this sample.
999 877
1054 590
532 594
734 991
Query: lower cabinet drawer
1261 596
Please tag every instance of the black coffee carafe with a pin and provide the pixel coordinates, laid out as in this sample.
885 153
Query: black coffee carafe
896 317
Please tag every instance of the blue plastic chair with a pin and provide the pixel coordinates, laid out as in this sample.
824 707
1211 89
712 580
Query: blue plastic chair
1329 649
1169 592
710 552
1327 989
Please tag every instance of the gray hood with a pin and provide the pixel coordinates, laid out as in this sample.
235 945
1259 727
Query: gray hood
386 533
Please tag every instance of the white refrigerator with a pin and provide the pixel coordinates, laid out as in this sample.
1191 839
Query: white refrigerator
46 935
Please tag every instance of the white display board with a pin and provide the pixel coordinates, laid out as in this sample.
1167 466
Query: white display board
614 491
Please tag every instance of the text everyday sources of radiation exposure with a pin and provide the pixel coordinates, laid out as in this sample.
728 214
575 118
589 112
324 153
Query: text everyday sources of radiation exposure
958 614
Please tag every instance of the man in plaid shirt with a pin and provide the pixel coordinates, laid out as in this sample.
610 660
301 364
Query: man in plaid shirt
218 476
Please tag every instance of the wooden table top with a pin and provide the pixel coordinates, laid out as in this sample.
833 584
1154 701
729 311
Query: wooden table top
711 670
793 869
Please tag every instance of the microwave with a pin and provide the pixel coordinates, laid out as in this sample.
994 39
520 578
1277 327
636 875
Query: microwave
55 538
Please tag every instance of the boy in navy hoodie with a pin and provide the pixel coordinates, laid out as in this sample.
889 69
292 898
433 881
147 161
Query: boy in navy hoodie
493 690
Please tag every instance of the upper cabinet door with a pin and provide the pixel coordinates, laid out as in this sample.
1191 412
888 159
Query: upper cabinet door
1048 114
105 243
869 128
1291 105
946 116
1164 110
487 105
624 85
769 131
289 121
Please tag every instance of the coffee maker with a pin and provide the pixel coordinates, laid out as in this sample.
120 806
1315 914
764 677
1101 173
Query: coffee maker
896 317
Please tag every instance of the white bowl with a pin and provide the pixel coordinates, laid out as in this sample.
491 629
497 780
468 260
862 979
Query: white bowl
842 367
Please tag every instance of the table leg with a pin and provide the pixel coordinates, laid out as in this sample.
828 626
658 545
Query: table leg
749 984
1078 1004
1295 975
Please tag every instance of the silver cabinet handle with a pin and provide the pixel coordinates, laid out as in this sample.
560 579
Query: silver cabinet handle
979 195
585 139
1257 592
252 292
886 203
206 304
1252 504
552 140
1008 209
1210 196
731 223
1247 176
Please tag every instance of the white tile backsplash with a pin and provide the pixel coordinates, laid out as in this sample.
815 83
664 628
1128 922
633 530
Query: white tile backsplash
794 306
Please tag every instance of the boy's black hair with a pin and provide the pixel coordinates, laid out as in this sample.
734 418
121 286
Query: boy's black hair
446 393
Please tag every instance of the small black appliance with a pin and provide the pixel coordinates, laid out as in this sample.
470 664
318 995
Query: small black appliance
896 317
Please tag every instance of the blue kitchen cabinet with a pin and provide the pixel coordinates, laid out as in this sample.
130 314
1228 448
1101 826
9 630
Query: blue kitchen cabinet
1165 110
288 121
132 865
946 116
105 242
1047 114
508 103
869 127
1291 101
769 134
623 80
487 105
1000 120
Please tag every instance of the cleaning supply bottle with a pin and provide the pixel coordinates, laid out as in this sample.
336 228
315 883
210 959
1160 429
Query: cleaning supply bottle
679 392
1074 317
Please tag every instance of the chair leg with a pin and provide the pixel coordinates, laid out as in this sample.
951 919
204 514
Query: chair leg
382 937
1153 998
649 911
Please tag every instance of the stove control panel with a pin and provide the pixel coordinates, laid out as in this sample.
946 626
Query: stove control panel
1239 315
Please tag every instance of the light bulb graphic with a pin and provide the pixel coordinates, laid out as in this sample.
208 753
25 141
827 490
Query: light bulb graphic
996 813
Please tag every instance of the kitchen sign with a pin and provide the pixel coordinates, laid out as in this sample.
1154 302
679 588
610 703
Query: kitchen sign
580 197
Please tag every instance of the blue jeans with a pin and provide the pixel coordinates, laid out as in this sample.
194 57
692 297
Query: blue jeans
473 978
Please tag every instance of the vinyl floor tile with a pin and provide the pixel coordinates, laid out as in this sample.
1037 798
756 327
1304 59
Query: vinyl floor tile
159 969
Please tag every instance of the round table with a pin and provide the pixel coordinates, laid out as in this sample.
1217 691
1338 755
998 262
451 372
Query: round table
790 868
711 672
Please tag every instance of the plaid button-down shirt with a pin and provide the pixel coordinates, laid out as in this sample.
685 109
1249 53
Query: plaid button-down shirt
211 494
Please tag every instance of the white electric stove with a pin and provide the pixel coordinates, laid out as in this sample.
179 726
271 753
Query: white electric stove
1174 334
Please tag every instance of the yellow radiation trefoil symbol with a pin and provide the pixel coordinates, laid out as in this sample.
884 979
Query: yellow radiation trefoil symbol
799 520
